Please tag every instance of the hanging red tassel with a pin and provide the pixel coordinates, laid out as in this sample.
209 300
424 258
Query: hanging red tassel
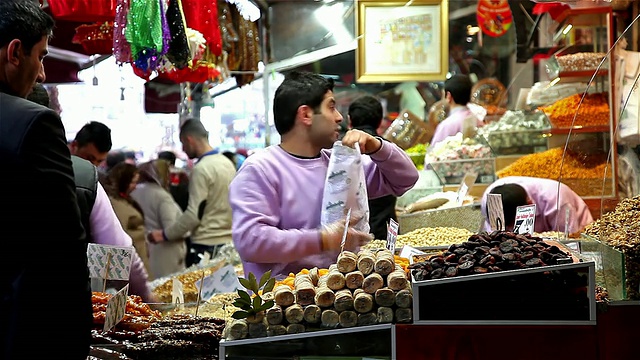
83 10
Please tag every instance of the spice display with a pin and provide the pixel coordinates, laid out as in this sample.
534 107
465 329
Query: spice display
188 280
138 315
218 306
621 230
593 111
417 153
176 337
436 236
582 61
517 132
583 173
602 295
485 253
343 296
454 157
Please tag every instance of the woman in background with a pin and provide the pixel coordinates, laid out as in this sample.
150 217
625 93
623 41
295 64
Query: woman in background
122 180
160 210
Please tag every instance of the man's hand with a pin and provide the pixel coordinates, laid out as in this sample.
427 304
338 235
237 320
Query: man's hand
368 144
155 236
331 236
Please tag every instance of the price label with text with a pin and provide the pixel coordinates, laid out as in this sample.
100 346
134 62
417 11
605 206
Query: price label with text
224 280
177 292
116 307
495 212
392 234
109 262
525 219
408 252
462 192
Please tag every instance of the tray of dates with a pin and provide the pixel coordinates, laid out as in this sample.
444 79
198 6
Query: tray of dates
504 278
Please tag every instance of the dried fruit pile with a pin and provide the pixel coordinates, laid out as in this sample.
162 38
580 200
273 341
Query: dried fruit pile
485 253
593 111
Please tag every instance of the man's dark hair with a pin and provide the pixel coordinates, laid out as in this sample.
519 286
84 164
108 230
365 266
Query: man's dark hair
169 156
23 20
513 195
193 127
95 133
365 111
460 88
297 89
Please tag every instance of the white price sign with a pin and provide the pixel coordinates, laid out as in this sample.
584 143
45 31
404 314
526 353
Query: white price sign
392 235
408 252
525 219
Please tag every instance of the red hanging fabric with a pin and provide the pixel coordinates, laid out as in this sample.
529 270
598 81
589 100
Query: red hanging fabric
95 38
83 10
202 15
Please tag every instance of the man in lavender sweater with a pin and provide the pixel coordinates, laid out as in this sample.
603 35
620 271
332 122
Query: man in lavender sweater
276 195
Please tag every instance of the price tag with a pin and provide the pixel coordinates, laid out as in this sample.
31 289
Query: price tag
109 262
346 229
177 292
224 280
567 216
495 212
408 252
116 307
205 258
392 235
462 192
575 246
525 219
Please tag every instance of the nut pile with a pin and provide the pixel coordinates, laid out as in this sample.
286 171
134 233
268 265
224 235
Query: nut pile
485 253
593 111
621 230
581 61
435 236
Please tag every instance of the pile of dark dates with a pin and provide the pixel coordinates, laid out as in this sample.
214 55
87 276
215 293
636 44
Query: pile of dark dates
486 253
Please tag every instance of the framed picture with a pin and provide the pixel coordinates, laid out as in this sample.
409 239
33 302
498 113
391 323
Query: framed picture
402 41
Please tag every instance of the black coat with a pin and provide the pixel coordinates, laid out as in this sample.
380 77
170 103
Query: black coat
45 298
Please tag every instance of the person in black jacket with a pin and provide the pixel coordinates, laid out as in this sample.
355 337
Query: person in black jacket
365 114
44 260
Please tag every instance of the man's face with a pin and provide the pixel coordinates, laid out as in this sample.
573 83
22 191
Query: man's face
89 153
325 126
26 69
188 146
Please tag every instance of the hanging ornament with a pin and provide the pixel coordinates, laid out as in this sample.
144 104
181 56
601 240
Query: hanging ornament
494 17
95 38
178 53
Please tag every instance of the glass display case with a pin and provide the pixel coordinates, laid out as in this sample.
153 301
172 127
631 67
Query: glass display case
517 132
609 264
455 157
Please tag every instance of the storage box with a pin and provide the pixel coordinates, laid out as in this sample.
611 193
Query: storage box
451 172
548 295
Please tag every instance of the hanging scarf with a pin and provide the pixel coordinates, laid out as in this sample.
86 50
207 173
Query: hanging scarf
146 33
178 52
121 48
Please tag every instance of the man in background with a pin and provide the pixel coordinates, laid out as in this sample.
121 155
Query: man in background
365 114
92 142
551 198
208 215
98 218
45 251
460 120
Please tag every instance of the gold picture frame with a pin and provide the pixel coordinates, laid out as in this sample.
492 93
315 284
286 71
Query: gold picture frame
402 41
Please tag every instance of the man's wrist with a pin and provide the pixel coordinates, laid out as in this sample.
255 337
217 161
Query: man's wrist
379 146
164 236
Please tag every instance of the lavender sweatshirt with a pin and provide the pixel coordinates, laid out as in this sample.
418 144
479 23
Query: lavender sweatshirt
276 202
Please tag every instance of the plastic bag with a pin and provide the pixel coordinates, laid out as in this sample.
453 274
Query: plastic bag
345 188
